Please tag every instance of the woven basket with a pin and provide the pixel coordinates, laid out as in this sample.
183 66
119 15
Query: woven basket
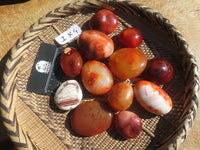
32 120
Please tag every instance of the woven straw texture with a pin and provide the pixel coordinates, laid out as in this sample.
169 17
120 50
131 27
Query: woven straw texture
33 121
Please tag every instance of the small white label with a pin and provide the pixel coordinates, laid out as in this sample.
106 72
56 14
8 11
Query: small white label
68 35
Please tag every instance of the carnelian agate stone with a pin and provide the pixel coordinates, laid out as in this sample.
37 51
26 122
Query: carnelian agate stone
104 21
95 45
130 37
127 63
120 97
91 118
96 77
152 97
71 62
159 70
128 124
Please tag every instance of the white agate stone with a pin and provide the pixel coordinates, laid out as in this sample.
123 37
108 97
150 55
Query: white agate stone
152 97
68 95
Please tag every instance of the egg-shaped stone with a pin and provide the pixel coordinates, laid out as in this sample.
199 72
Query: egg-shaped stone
68 95
152 97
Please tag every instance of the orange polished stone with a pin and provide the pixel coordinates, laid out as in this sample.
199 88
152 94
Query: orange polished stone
127 63
91 118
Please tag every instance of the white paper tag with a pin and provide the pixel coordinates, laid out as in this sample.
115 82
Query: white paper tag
68 35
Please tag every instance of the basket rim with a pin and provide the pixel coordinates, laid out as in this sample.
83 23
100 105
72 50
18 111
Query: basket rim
24 41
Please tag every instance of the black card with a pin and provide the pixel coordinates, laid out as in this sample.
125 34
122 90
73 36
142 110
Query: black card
46 73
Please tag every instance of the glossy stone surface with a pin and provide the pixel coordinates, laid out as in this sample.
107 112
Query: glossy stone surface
127 63
120 97
68 95
152 97
96 77
104 21
130 37
91 118
128 124
95 45
159 70
71 62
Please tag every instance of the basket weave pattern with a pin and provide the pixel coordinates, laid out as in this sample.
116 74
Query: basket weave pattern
34 122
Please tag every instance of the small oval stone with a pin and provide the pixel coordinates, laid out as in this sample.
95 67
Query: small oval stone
96 77
128 124
68 95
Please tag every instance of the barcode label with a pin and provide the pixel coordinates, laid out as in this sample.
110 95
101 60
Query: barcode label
69 35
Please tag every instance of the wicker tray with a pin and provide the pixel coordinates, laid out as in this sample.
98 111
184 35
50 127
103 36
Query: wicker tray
32 120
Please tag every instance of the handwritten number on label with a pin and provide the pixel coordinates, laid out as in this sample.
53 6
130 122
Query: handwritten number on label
70 34
63 39
75 30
